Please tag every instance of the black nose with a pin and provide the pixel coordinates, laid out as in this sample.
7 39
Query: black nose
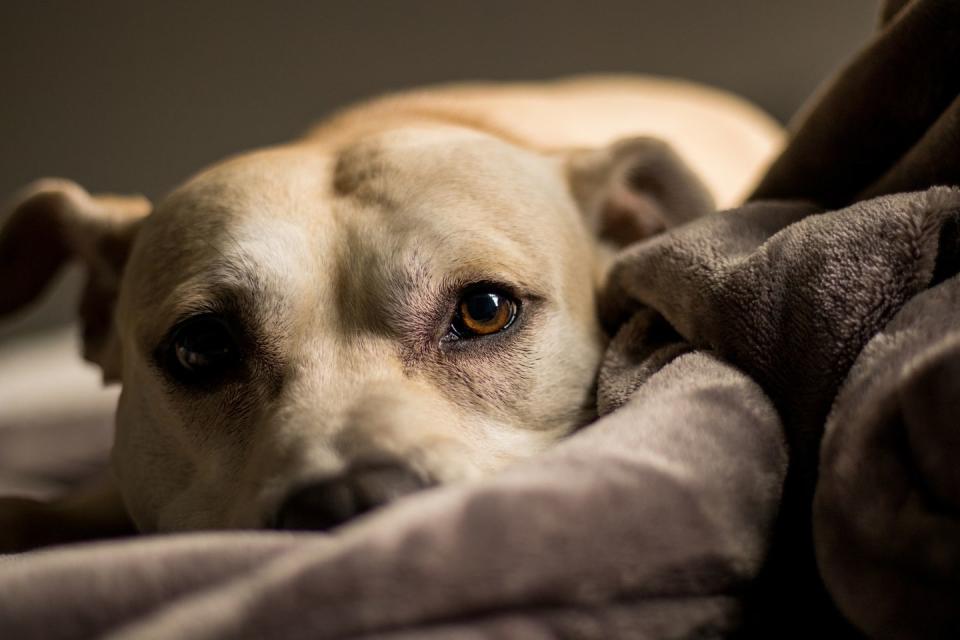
333 501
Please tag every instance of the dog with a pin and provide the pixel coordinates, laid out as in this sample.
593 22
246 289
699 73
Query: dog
405 297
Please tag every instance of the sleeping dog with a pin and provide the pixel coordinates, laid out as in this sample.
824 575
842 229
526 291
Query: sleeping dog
405 297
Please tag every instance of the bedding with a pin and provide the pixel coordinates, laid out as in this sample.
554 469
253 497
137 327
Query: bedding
775 453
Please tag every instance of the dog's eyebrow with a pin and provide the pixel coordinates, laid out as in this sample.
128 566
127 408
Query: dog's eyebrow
225 288
233 301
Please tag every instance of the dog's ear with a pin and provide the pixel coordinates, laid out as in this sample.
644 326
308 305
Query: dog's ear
54 222
635 188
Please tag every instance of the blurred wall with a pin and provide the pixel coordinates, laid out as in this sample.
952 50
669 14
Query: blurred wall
135 96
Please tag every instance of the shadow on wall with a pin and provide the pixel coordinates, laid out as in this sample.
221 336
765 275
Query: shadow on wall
134 97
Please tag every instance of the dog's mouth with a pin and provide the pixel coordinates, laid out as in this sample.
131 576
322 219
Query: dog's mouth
327 503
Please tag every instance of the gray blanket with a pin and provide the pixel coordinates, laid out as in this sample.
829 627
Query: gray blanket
889 122
739 341
887 510
653 521
647 523
792 298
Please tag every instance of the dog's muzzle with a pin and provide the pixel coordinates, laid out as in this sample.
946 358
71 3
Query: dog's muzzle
330 502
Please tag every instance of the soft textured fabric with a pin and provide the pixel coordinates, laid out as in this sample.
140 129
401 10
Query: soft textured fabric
889 122
887 510
791 298
742 341
651 522
654 520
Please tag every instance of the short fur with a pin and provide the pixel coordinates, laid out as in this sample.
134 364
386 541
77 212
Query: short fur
341 254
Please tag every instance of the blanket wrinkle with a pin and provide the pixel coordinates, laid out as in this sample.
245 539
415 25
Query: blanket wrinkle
941 141
682 481
892 556
507 564
641 347
771 285
669 498
889 122
824 312
637 620
790 296
879 113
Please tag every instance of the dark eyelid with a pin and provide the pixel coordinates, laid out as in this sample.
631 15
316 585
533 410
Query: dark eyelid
486 285
460 286
185 319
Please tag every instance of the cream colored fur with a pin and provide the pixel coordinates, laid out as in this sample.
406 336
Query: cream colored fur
341 245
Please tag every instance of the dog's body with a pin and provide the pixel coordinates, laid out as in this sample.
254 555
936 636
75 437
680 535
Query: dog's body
405 297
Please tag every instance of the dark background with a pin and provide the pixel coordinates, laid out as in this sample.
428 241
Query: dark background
135 96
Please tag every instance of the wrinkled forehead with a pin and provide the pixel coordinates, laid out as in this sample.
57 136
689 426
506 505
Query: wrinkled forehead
452 199
456 175
305 225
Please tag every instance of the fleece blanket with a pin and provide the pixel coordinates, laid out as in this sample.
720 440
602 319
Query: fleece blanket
889 122
647 523
653 521
774 457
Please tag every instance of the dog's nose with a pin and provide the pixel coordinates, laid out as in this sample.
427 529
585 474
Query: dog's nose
328 503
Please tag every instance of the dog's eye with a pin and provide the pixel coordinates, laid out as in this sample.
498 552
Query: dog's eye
482 312
203 346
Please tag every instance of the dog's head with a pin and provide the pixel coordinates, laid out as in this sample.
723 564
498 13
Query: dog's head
305 332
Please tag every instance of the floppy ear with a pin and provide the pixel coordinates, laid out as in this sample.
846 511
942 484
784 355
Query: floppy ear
635 188
55 222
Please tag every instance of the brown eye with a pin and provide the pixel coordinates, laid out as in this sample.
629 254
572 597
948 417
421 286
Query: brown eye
483 312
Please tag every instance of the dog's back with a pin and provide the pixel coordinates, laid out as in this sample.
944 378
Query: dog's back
726 140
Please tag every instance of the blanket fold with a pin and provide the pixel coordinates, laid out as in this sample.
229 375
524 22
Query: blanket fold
788 296
889 121
791 298
887 510
653 518
815 326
